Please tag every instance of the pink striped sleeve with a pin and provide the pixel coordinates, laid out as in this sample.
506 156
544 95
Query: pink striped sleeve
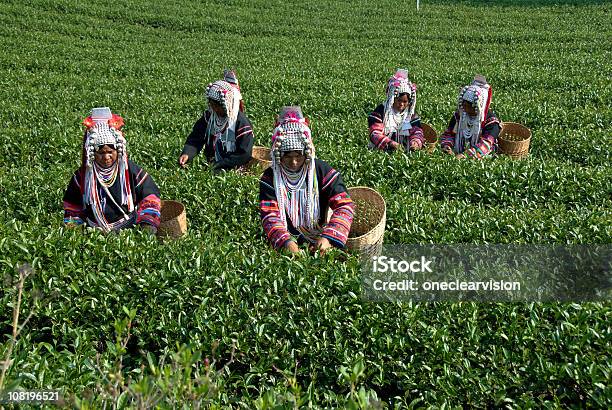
339 225
273 227
376 128
149 211
416 135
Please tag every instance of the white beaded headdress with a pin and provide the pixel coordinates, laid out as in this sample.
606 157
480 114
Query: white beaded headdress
292 133
297 193
398 84
103 128
103 134
229 98
468 128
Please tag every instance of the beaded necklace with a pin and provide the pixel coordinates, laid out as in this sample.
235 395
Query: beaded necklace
218 123
107 176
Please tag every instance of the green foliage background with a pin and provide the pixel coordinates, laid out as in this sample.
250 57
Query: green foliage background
260 316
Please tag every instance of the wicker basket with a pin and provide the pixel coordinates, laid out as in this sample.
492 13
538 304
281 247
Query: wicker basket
514 140
431 137
261 159
173 220
368 228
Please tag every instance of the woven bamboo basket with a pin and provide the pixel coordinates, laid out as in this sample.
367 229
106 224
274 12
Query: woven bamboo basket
368 228
514 140
261 159
431 137
173 220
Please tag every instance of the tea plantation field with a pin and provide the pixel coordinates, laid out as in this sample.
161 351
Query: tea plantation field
218 319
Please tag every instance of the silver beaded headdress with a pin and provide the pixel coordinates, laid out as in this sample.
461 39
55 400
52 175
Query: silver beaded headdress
292 133
297 192
468 128
398 84
103 129
229 97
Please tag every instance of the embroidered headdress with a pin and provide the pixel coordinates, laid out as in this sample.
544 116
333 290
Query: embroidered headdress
104 128
224 127
468 128
297 193
398 84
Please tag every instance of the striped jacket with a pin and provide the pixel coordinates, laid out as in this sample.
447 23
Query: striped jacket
487 142
381 141
144 193
332 195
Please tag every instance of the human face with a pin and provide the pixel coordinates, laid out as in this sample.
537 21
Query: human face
467 107
216 107
401 103
105 156
293 160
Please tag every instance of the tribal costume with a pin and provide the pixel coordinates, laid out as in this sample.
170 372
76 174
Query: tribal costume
110 198
296 203
387 125
227 140
475 136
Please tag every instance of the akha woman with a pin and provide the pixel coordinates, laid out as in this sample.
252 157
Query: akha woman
298 189
473 129
394 124
223 131
109 191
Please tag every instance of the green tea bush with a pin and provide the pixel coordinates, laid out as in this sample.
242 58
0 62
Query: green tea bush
217 318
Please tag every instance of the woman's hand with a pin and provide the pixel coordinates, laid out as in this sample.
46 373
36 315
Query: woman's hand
396 146
322 245
292 247
149 229
183 160
414 145
459 156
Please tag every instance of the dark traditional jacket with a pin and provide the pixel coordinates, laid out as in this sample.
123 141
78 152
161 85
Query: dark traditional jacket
332 195
381 141
145 195
487 142
200 138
